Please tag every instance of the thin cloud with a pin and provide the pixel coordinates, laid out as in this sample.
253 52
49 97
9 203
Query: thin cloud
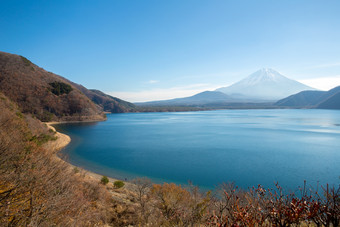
327 65
163 94
153 81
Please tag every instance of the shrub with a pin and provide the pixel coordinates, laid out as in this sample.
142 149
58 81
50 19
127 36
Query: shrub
52 131
42 138
45 116
104 180
59 88
19 114
75 170
118 184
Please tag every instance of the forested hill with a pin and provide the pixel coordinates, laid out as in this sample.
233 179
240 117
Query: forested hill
107 102
50 97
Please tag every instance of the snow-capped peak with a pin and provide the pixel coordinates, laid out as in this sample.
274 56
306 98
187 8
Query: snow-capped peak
267 84
262 75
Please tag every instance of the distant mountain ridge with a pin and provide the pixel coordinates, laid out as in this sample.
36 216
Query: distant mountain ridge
265 84
50 97
200 99
313 99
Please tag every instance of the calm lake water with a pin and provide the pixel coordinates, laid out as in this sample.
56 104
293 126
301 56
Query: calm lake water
249 147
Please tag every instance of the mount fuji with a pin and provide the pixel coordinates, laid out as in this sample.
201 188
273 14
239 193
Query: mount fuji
261 88
264 85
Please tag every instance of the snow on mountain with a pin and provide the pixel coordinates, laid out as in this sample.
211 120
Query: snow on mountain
265 84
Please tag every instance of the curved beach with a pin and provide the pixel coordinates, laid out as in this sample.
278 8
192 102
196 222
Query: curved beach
61 142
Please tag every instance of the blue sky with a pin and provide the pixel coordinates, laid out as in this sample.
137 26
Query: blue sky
150 50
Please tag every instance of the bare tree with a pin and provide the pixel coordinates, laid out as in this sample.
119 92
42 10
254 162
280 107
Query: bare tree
142 189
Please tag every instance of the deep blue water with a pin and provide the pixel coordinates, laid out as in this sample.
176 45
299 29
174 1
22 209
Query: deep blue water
249 147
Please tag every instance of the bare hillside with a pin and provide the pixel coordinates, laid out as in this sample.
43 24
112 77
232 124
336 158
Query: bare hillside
43 94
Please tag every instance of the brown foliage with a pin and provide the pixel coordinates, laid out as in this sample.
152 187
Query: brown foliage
36 189
274 207
178 206
32 91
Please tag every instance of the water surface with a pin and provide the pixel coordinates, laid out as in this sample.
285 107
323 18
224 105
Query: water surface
249 147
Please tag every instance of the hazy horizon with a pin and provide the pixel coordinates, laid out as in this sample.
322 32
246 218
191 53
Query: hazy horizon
156 50
322 84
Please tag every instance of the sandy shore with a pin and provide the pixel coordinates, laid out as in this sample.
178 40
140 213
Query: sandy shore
62 140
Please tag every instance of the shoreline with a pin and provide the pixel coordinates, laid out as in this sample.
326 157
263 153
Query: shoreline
88 174
61 142
62 139
50 123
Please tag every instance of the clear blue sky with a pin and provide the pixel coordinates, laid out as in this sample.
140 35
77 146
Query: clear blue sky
146 50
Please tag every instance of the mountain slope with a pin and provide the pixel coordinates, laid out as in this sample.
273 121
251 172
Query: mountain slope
266 85
313 99
35 184
43 94
106 102
200 99
50 97
330 100
110 103
302 99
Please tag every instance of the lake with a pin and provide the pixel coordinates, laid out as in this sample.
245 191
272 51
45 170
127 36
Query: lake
248 147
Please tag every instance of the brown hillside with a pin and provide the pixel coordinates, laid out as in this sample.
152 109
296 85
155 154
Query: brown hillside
107 102
36 188
43 94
